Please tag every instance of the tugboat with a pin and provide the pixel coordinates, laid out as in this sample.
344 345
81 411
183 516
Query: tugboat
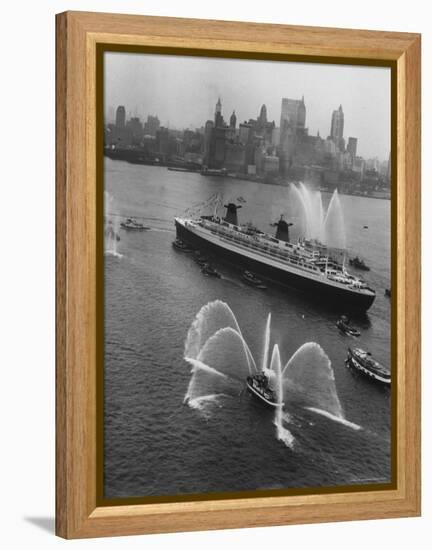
343 324
258 385
210 271
362 361
180 245
251 279
359 264
132 225
201 259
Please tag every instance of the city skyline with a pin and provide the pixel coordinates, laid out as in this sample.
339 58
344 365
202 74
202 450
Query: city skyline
144 84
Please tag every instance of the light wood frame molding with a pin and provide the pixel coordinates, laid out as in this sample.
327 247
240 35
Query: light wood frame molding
78 34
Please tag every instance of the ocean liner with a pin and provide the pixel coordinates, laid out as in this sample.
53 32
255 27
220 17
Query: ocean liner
307 265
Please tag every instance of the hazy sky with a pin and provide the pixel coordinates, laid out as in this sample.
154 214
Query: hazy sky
183 92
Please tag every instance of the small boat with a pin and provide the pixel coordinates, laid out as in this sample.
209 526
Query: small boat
132 225
180 245
387 292
258 385
201 259
363 362
343 325
210 271
251 279
182 169
359 264
213 171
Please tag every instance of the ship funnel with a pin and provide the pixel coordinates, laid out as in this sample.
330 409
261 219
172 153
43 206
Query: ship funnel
282 231
231 213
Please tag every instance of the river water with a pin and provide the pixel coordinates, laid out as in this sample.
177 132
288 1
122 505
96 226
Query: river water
155 445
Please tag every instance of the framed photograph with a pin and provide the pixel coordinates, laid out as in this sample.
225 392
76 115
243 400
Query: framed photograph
238 274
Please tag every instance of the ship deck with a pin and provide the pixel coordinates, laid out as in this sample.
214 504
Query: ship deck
288 257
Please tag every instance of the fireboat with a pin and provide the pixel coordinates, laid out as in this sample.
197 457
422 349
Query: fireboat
258 385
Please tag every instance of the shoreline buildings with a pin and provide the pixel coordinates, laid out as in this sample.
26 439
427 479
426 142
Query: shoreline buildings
254 149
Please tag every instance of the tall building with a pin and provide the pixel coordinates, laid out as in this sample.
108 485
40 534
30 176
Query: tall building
293 114
135 127
233 120
152 125
235 157
162 141
337 127
352 146
208 129
219 121
275 139
262 119
292 130
120 117
245 132
217 148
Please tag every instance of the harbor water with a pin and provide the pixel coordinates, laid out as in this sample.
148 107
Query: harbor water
155 444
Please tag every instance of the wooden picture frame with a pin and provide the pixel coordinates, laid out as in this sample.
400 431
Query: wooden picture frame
79 34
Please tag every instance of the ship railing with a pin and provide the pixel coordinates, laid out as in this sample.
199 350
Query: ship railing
268 249
294 262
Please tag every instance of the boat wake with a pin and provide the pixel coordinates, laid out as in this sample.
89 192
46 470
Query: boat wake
205 404
113 253
221 361
284 435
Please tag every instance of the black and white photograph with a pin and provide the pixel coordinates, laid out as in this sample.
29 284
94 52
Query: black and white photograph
247 276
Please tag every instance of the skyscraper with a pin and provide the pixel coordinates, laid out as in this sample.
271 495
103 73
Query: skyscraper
219 121
292 130
208 129
352 146
337 127
120 117
262 119
152 125
293 114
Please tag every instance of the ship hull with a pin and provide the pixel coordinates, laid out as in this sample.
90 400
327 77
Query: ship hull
339 298
353 363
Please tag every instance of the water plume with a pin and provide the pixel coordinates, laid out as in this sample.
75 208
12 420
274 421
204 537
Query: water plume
225 351
282 434
221 361
111 227
205 382
339 419
266 343
334 225
308 379
326 227
210 318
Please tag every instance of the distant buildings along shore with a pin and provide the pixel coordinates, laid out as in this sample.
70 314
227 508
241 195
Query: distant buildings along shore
254 149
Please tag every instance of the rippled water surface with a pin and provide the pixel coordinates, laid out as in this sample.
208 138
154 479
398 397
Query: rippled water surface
157 445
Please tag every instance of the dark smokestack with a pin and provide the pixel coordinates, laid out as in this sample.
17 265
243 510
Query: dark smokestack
282 231
231 213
